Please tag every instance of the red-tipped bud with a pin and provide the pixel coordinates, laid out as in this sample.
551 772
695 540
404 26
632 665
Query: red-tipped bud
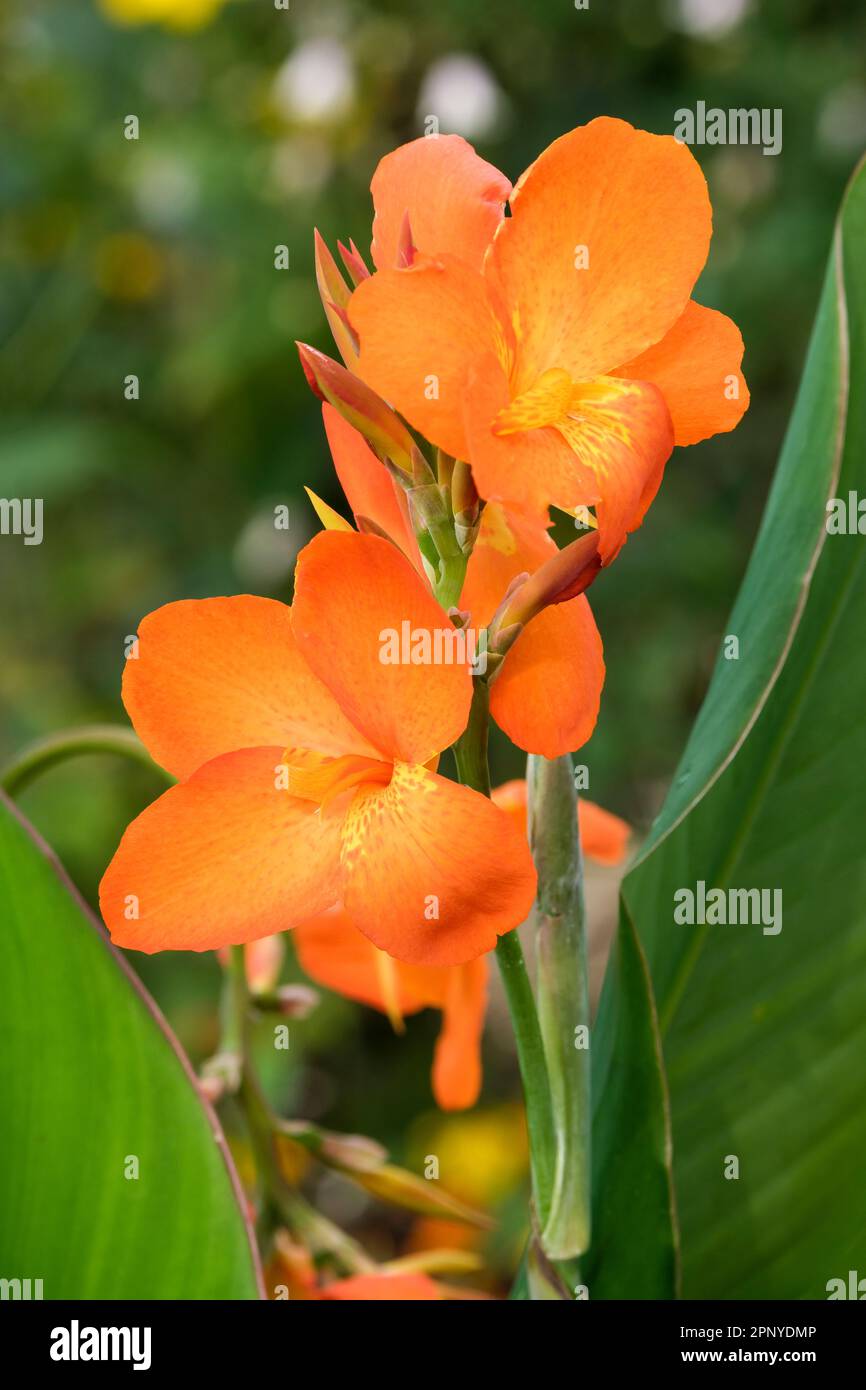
335 295
359 407
565 575
354 262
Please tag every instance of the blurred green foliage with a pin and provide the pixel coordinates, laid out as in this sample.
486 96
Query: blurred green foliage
155 257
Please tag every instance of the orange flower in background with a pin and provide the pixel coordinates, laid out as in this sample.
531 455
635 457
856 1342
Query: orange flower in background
603 836
263 960
291 1274
368 1288
557 350
306 769
334 953
546 696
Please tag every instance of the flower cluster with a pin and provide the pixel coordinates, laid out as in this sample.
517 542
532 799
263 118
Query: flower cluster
495 365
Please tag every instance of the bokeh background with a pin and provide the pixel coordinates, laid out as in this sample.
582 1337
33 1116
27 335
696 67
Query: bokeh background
155 257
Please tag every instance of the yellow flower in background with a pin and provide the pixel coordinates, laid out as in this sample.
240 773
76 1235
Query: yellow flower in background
483 1156
174 14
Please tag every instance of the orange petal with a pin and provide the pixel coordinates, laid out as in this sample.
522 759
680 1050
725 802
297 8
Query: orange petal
547 693
623 435
219 860
370 490
334 953
530 470
638 204
406 1288
603 836
457 1059
455 200
546 696
353 596
511 797
696 366
508 544
213 675
421 329
434 871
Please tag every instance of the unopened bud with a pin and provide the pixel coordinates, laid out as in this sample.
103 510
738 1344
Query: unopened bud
565 575
360 407
354 262
335 295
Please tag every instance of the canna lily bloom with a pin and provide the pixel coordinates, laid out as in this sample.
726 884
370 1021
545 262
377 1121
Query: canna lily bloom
306 770
334 953
558 350
546 694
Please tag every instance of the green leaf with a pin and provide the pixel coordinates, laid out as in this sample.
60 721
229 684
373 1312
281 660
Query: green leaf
634 1239
91 1079
764 1035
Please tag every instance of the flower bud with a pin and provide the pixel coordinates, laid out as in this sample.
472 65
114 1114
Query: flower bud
360 407
335 295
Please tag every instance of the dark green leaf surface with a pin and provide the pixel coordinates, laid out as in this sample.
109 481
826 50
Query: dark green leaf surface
91 1080
634 1240
765 1034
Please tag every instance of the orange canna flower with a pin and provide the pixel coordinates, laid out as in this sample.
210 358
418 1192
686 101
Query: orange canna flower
547 693
306 770
334 953
557 350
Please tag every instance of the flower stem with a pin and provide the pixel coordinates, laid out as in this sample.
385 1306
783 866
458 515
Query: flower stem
44 753
470 753
563 997
321 1236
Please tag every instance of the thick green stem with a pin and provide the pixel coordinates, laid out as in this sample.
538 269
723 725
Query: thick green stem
452 567
563 997
470 754
56 748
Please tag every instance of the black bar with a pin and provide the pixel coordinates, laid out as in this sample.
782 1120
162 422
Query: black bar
228 1337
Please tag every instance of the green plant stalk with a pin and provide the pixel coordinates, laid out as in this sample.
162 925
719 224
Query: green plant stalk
470 753
563 997
320 1235
452 565
44 753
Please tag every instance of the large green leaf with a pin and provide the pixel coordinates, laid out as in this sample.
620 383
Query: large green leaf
634 1232
91 1080
765 1035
